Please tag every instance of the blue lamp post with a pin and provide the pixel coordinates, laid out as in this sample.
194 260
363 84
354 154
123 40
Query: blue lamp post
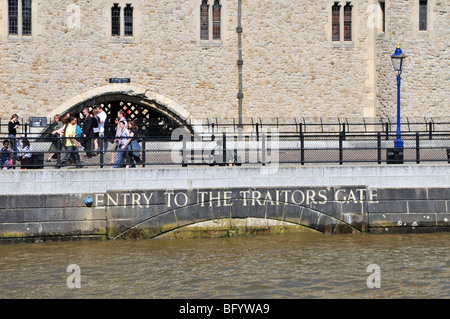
398 59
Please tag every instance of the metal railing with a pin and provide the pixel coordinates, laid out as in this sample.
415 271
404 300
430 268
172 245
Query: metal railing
304 125
232 149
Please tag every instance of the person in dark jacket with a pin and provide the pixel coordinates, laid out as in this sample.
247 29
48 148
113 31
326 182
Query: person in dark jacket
13 125
88 132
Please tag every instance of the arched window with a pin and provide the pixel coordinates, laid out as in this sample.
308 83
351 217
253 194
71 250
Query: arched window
128 14
423 15
216 20
204 20
13 17
115 20
383 15
335 23
26 17
348 22
19 12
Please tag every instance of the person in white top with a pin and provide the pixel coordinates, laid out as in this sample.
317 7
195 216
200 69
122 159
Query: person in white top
101 126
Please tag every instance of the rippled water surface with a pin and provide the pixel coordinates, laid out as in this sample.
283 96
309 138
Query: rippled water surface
275 266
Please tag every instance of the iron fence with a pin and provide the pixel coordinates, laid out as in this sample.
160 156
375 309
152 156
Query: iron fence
386 126
232 149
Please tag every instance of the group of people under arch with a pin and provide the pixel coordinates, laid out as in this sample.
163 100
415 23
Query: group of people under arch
69 136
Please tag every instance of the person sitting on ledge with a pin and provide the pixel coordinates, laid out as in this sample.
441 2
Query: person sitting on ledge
5 157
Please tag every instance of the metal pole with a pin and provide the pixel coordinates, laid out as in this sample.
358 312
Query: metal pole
240 63
398 141
379 147
224 149
417 148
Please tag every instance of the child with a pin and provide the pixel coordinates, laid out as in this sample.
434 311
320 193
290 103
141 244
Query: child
25 156
5 157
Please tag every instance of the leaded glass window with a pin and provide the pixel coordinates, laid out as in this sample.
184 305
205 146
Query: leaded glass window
13 17
348 22
335 24
26 17
423 15
383 16
115 20
204 20
128 14
216 20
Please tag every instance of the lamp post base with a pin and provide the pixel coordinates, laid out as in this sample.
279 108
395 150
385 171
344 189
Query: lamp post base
398 143
394 156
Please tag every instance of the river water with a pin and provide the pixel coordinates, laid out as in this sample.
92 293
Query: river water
269 266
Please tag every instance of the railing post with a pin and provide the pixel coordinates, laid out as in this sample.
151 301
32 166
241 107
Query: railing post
417 148
343 131
387 131
235 160
302 148
100 147
144 147
183 154
430 130
192 158
58 154
14 151
257 132
263 150
224 145
379 147
341 152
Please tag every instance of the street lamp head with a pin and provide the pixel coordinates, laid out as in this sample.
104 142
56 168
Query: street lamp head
397 59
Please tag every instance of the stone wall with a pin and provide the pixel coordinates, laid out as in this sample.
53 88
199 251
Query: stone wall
91 181
425 79
291 66
148 203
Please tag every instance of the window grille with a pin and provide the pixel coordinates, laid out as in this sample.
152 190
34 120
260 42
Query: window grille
204 21
13 17
26 17
383 16
348 22
216 20
335 22
115 20
128 14
423 13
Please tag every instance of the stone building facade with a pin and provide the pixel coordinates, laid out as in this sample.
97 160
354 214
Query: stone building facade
327 58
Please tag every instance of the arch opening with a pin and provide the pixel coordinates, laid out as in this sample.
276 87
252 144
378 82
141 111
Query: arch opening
151 118
154 114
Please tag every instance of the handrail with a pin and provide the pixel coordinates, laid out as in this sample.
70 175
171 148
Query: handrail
233 149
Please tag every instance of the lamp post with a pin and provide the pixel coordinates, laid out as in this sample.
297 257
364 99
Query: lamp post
240 63
398 59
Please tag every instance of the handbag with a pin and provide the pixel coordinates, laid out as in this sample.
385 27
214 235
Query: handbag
135 148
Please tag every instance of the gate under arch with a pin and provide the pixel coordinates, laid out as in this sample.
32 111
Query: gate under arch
154 114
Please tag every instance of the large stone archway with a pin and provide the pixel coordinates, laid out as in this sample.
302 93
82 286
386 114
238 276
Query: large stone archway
132 93
326 210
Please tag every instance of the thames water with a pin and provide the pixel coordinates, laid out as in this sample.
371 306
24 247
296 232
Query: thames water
268 266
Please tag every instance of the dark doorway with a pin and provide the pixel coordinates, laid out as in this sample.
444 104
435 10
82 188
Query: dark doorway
149 121
151 118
